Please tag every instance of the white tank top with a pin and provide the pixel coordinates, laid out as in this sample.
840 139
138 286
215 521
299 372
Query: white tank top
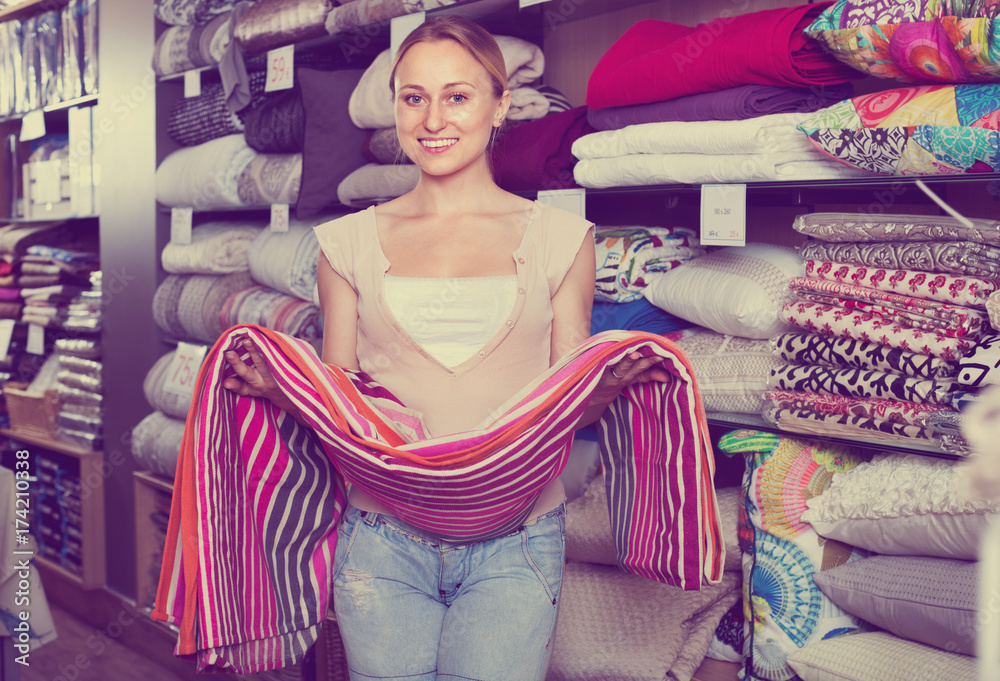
451 318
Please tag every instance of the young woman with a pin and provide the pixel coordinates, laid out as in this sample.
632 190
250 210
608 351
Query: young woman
453 296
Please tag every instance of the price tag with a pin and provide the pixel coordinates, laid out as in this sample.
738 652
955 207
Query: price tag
723 214
47 187
573 200
180 225
183 370
401 26
36 339
521 4
192 83
279 217
33 125
280 69
6 333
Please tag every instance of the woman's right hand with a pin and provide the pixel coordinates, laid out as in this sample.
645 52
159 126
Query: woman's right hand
257 380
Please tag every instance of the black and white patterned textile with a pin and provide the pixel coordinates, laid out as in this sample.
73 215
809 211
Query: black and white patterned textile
196 120
981 366
831 351
187 12
860 383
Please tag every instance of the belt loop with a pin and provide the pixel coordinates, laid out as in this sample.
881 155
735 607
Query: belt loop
370 517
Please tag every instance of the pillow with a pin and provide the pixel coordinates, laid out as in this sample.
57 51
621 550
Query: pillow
731 371
981 365
783 607
930 600
734 290
910 42
903 504
879 656
331 142
922 130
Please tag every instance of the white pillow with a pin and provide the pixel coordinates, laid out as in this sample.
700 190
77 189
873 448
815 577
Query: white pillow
903 504
734 290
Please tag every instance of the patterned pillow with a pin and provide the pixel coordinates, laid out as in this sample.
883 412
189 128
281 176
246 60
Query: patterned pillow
784 609
910 41
921 130
930 600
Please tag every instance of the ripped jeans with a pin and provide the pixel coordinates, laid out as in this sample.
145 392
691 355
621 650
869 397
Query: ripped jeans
417 608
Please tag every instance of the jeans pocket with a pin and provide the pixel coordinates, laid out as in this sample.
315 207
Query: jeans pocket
346 534
544 548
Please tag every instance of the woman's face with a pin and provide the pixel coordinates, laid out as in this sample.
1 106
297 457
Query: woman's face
445 107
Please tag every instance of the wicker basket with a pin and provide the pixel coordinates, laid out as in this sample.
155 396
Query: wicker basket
31 414
331 661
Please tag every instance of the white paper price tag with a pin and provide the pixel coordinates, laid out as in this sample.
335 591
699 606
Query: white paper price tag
192 83
6 333
180 225
723 214
33 125
36 339
280 69
573 200
48 181
183 370
279 217
521 4
401 26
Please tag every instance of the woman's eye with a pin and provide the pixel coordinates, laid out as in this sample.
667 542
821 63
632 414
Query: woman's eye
458 98
412 99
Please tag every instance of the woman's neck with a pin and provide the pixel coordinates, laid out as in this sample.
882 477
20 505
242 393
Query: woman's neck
470 190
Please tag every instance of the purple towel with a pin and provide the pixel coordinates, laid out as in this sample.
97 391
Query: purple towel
734 104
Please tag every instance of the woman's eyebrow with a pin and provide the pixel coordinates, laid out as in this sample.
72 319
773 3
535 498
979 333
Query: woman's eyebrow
446 86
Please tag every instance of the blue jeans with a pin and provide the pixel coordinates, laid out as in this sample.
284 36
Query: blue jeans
413 607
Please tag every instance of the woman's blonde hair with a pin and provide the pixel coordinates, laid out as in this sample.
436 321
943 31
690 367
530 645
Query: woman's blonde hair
474 38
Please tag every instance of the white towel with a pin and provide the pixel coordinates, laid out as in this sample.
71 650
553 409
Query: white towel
527 104
371 102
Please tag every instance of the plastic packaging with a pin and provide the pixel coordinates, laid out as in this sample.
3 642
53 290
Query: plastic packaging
71 80
89 64
78 347
49 61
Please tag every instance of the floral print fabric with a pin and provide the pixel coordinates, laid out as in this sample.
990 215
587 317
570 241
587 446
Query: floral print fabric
850 382
920 130
914 41
837 321
910 413
966 290
947 257
866 227
628 256
823 350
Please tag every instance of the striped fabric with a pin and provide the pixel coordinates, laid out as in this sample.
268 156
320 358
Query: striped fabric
249 553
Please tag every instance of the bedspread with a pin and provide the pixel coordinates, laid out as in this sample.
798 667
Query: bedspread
947 288
248 581
818 348
847 426
911 413
896 227
947 257
850 382
626 256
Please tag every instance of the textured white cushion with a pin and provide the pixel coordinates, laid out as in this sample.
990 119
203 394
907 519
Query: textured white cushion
879 656
735 290
903 504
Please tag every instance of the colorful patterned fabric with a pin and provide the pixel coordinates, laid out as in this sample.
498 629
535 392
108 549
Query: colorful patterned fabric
920 130
993 310
784 609
843 323
627 256
884 227
849 426
860 383
917 313
823 350
957 290
981 365
945 257
247 581
909 413
921 41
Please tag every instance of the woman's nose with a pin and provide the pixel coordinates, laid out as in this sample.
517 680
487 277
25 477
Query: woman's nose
434 117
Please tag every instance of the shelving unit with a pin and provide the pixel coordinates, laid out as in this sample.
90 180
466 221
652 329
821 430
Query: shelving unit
150 491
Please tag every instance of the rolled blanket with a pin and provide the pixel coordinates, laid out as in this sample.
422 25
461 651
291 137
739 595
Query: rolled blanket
946 257
205 176
272 23
196 120
186 12
860 383
277 124
896 227
916 313
183 48
664 511
910 413
823 350
286 261
537 154
187 306
628 256
958 290
841 322
215 248
373 181
732 104
371 101
271 178
655 169
273 310
763 135
156 443
657 60
170 403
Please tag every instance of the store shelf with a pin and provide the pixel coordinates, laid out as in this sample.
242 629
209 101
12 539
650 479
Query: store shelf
30 7
149 491
51 445
739 421
155 481
41 221
88 100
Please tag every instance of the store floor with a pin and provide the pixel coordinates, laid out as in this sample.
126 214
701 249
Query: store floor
80 654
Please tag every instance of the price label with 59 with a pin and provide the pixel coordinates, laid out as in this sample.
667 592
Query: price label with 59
183 370
280 69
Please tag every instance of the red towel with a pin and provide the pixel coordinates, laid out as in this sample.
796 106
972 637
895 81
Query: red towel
657 60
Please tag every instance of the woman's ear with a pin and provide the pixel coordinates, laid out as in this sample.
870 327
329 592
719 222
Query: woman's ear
502 108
